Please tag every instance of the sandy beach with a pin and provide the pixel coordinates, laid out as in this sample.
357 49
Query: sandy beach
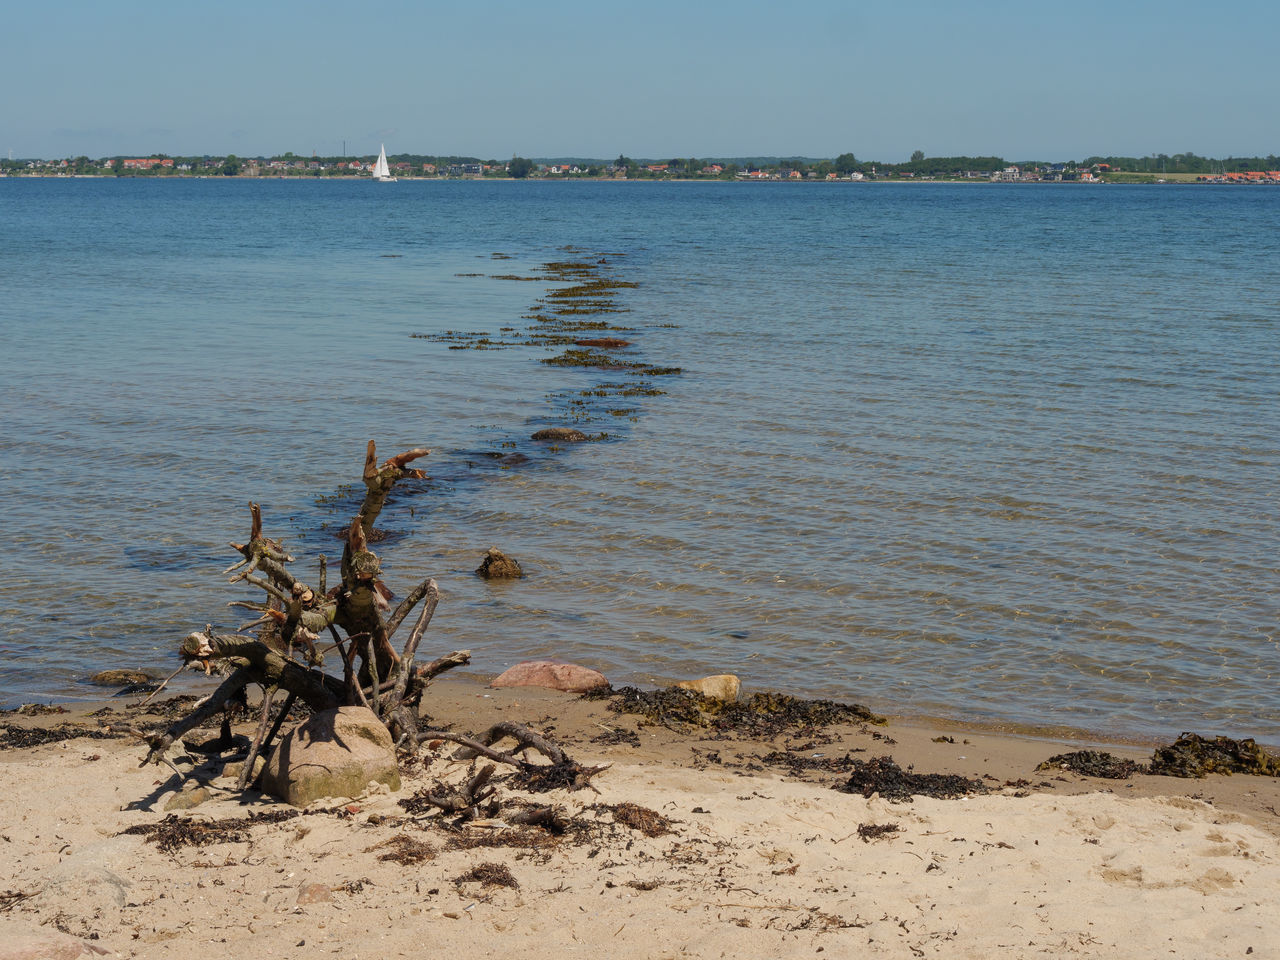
690 844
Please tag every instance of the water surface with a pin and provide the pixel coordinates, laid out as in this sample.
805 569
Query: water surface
994 452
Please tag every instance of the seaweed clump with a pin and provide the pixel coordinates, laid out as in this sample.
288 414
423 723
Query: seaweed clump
1092 763
874 831
489 875
407 851
1194 756
15 737
649 822
762 715
882 775
173 832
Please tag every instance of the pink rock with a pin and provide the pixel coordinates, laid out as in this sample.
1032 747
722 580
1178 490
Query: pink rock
569 677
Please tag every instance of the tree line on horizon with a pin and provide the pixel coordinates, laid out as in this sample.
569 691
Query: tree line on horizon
519 167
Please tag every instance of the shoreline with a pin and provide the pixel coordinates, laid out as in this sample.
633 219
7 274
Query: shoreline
1079 737
751 858
1006 750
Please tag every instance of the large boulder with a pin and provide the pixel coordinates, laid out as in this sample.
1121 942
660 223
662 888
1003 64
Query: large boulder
569 677
337 753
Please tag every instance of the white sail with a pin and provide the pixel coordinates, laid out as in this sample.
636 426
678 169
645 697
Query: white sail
380 169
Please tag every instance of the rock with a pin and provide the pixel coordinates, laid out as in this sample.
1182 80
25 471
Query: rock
561 435
119 678
186 799
496 565
332 754
148 687
314 893
569 677
85 889
723 686
236 767
21 942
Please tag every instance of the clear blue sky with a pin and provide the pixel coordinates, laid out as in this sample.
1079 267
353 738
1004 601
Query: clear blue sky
648 78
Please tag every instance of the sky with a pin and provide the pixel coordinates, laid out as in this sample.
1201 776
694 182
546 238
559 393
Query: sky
646 78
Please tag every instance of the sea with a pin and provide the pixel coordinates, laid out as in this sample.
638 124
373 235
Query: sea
997 453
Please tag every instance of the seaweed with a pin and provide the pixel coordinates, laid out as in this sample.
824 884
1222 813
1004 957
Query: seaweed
874 831
534 839
545 777
20 737
798 765
36 710
407 851
882 775
571 318
762 715
1194 756
173 832
646 821
1092 763
618 738
585 358
489 875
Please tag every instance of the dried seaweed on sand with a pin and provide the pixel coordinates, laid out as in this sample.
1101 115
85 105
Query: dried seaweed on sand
1092 763
761 715
883 776
1192 755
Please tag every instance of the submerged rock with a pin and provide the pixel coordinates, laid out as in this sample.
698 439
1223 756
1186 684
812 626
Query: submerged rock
561 434
336 753
722 686
569 677
496 565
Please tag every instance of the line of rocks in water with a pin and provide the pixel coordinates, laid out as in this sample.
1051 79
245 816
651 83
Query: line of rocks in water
575 318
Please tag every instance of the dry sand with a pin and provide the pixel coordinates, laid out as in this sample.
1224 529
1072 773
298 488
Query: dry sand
757 864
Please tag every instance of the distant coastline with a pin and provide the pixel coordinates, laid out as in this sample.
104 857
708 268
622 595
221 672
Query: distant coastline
1123 180
1155 169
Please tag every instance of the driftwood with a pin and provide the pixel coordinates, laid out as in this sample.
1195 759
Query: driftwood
562 770
284 655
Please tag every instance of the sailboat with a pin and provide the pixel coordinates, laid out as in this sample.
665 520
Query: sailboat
382 172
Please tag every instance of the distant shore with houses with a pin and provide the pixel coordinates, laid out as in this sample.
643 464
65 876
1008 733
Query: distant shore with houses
290 166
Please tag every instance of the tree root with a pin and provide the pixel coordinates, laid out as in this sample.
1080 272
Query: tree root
562 772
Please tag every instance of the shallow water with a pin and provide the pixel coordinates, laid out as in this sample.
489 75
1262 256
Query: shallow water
993 452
